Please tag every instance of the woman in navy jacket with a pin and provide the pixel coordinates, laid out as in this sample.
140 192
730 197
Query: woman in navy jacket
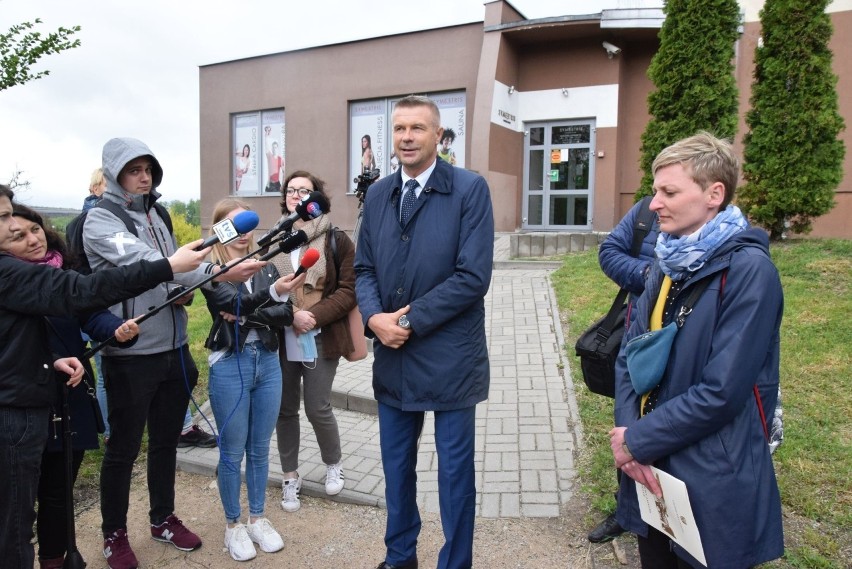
702 422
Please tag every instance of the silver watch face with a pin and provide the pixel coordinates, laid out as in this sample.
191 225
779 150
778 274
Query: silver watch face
403 322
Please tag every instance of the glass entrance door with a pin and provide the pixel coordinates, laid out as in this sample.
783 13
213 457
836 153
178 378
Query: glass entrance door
559 172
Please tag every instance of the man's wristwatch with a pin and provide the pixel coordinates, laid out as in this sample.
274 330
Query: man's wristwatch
626 450
403 322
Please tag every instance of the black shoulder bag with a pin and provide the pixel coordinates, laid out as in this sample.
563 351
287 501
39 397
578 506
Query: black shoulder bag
598 346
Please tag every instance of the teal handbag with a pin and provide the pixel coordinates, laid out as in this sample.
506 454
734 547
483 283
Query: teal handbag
647 357
648 353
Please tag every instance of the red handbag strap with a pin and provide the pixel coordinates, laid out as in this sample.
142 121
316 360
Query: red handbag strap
760 410
755 390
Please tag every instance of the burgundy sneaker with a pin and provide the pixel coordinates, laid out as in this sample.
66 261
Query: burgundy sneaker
173 531
117 551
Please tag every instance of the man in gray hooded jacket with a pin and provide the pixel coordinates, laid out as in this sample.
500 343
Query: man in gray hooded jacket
151 381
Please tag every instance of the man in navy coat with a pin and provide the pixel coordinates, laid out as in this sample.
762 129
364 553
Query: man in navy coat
423 267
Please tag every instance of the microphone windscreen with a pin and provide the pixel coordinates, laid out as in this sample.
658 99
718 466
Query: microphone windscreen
310 258
293 241
313 206
245 221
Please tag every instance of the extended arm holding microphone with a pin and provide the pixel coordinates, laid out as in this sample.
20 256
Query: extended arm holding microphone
287 244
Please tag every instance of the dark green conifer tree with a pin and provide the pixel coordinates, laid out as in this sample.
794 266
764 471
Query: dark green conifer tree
793 159
693 74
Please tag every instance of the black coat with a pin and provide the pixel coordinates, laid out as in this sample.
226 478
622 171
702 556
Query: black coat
28 292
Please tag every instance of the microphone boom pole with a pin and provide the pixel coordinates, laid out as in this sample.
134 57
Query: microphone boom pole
95 349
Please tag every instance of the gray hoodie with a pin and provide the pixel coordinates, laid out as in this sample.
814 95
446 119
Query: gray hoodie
107 243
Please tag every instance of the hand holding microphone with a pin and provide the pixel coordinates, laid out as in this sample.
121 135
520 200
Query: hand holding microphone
287 283
309 259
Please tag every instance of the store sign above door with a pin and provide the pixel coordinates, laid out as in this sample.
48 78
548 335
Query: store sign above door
507 117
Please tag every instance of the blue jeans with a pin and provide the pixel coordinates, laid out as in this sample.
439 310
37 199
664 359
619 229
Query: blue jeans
245 394
100 391
23 434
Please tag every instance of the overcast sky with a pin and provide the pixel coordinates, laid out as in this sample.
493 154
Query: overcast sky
136 74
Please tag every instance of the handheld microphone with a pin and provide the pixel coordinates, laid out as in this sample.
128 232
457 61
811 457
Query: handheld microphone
308 260
227 230
288 244
313 206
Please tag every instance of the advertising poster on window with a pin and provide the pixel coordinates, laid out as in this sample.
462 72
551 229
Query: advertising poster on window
273 148
246 129
451 146
367 120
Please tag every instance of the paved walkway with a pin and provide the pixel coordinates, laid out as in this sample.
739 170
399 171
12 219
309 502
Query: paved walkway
527 430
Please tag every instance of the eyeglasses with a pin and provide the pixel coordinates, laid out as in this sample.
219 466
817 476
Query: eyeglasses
303 192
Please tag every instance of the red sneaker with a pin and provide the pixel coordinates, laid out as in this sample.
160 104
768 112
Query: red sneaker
117 551
173 531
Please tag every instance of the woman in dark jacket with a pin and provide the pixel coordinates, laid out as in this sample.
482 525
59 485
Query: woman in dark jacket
702 422
315 342
245 384
38 244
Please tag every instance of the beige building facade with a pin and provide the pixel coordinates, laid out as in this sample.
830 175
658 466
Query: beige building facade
550 111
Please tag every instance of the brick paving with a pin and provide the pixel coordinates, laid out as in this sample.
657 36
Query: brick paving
526 431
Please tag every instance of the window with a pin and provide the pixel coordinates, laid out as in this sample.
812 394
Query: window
258 152
371 142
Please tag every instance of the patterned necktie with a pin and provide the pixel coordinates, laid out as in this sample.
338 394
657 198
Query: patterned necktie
408 201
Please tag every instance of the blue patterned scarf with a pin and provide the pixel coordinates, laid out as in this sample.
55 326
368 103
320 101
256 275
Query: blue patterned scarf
680 256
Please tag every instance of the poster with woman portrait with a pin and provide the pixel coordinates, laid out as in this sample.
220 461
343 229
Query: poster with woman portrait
367 120
246 128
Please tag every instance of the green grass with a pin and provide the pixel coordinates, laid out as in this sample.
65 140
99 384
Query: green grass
813 465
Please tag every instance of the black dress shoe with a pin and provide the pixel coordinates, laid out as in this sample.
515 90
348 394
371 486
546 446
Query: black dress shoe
409 565
607 530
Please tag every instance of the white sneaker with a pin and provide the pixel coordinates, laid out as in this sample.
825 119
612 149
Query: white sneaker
290 497
238 543
333 479
262 533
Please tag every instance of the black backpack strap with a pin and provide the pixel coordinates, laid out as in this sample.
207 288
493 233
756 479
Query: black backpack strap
164 215
333 244
120 213
642 225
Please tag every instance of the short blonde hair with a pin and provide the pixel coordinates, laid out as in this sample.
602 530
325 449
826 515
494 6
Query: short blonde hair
220 211
709 160
421 101
97 180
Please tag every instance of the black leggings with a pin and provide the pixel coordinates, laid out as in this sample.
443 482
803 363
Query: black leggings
51 522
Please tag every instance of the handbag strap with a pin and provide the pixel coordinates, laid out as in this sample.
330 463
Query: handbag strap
607 326
694 295
641 227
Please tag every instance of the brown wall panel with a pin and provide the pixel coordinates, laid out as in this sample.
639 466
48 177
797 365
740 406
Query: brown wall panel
315 86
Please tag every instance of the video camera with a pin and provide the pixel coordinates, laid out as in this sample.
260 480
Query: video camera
364 181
